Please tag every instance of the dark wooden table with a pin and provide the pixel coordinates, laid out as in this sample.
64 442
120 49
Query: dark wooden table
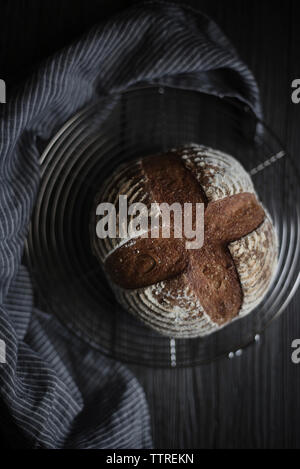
252 401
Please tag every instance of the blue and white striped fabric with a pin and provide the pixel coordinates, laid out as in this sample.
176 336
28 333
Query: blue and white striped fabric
55 392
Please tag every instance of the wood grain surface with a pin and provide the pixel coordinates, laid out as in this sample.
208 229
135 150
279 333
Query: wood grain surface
251 401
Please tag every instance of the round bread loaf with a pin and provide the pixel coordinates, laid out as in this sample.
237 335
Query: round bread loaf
183 292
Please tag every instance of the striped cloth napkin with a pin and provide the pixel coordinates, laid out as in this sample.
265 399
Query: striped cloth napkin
56 392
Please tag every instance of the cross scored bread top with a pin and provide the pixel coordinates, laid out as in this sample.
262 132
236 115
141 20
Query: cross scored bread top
209 272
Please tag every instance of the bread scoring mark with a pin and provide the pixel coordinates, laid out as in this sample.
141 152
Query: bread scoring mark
217 184
163 319
256 260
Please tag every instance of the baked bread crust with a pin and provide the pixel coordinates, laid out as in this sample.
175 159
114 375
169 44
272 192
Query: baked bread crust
189 293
